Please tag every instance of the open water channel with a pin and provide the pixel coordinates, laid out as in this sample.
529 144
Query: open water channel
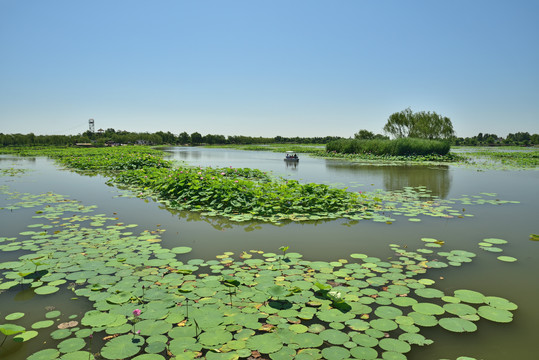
327 240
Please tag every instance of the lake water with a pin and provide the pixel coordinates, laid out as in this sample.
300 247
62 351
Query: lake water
331 240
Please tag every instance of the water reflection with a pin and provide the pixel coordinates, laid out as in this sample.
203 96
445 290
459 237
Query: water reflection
17 159
435 178
293 165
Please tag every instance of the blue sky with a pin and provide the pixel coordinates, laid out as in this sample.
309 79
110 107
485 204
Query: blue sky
267 68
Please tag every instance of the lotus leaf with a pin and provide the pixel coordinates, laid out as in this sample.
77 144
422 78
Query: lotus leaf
14 316
181 250
46 290
215 337
470 296
395 345
423 319
61 334
364 340
25 336
495 241
149 357
415 339
71 345
265 343
42 324
392 355
500 303
455 324
387 312
428 309
507 258
495 314
45 354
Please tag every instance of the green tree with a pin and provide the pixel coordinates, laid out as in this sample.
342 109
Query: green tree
364 135
424 125
184 138
196 138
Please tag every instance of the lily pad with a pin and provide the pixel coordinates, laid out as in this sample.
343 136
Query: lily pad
507 258
455 324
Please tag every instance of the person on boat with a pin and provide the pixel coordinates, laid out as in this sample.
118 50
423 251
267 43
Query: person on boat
295 156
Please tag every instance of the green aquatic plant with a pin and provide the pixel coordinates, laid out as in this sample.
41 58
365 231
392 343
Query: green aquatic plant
280 310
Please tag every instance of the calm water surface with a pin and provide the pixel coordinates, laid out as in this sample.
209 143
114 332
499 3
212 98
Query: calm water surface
329 240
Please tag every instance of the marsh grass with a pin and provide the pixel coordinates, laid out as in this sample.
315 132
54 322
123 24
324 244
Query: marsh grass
398 147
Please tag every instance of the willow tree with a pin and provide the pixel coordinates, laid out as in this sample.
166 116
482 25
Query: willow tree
424 125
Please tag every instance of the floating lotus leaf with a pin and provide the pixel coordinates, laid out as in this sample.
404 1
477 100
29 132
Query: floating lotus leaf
152 327
119 298
286 353
495 241
428 309
25 336
71 345
298 328
357 324
460 309
265 343
463 253
470 296
364 340
493 249
97 318
83 333
179 345
395 345
46 290
500 303
306 340
181 249
507 258
335 337
42 324
436 264
335 353
455 324
423 319
429 293
415 339
404 301
277 291
60 334
148 357
387 312
383 324
364 353
46 354
14 316
495 314
215 337
122 347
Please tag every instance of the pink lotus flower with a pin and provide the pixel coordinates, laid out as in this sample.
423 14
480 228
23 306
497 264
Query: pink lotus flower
136 312
222 173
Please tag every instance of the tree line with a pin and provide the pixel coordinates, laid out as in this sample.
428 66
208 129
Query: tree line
112 136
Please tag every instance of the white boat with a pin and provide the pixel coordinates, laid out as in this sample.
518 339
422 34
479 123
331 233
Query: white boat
291 156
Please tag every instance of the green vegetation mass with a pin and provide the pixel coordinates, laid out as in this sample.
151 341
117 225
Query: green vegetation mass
398 147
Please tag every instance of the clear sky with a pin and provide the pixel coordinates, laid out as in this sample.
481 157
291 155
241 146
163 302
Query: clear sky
267 68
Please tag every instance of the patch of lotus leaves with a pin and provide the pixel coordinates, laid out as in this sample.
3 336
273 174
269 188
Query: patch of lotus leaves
281 307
